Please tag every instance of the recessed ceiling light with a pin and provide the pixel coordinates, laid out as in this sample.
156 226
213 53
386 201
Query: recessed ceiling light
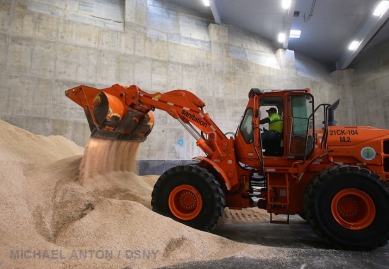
281 37
295 34
354 45
285 4
206 3
381 8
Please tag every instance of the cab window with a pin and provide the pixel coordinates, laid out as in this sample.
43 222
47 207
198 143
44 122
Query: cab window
301 110
246 128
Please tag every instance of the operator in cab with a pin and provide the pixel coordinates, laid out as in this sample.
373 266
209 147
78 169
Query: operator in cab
275 125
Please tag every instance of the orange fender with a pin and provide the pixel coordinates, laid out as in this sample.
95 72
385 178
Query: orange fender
217 169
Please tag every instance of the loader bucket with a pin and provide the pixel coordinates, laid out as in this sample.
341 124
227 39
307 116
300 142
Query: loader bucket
109 117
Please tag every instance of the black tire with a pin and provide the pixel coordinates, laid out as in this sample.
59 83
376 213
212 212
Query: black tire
361 189
207 187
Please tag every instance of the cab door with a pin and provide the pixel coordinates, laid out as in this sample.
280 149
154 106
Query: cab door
300 126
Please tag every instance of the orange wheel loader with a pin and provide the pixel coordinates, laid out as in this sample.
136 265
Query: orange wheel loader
335 177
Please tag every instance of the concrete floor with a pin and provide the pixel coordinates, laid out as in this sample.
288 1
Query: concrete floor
295 246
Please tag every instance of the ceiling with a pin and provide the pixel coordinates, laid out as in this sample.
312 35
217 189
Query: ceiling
327 26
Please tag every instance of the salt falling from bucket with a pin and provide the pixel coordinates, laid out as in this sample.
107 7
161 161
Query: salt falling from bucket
102 156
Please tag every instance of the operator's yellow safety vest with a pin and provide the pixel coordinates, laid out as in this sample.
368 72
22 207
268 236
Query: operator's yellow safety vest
276 122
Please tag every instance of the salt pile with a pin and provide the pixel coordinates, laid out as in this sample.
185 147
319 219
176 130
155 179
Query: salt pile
54 217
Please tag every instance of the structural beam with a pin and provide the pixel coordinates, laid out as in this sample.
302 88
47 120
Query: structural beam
364 33
288 23
215 11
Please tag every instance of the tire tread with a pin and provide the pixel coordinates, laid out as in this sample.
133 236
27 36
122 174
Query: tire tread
208 179
313 190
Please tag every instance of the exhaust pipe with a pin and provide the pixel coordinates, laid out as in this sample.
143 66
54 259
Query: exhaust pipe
331 113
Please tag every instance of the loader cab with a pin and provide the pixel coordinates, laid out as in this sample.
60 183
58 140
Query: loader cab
295 107
296 141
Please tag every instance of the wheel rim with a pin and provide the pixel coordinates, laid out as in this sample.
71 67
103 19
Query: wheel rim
353 209
185 202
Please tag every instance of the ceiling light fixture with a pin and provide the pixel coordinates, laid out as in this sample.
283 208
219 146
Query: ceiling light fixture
381 8
281 37
295 34
354 45
285 4
206 3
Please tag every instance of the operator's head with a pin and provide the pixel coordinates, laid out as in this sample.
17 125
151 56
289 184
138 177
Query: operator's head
271 110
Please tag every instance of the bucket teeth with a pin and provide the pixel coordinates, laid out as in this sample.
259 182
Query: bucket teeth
97 133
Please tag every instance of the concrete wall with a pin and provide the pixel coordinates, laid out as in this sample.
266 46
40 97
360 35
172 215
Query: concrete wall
370 84
47 47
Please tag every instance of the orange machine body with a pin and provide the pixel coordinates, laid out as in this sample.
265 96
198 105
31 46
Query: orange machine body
233 159
284 176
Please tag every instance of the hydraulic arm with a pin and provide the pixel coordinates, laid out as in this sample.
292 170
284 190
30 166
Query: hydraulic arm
124 113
